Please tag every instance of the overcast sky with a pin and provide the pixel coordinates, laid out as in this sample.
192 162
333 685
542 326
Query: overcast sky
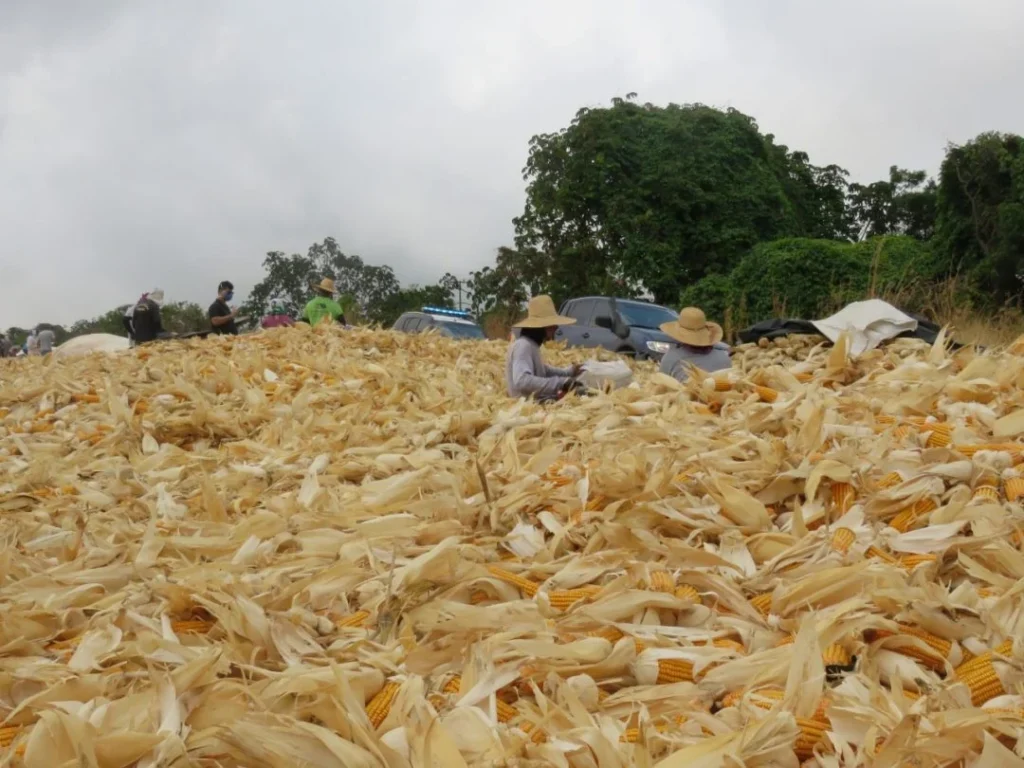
153 143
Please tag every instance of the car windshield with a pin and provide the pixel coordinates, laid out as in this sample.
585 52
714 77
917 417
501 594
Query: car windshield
462 330
645 315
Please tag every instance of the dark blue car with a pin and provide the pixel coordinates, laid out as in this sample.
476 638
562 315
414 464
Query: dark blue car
626 326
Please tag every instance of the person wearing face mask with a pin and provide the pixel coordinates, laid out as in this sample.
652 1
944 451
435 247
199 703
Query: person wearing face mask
224 318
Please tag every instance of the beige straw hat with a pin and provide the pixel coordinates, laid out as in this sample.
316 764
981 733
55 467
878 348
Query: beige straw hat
325 285
694 329
540 313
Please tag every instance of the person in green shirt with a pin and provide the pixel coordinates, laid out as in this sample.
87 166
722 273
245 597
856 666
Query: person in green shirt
323 306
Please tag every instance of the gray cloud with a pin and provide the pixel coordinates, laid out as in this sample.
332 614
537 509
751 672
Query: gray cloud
151 143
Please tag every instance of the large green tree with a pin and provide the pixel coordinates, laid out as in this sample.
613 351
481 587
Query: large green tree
902 205
980 225
651 197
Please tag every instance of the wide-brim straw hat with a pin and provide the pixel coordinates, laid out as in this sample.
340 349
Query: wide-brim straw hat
325 285
693 328
541 313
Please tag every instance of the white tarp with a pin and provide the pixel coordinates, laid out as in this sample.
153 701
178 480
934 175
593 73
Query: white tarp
92 342
869 323
597 374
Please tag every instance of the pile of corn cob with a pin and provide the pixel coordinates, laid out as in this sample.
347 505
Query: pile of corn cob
350 548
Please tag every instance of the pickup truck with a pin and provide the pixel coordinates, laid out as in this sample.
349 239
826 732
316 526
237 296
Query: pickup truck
625 326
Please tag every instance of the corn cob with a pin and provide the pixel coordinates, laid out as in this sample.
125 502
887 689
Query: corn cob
191 627
662 581
478 596
904 521
910 562
939 438
970 450
885 418
842 540
537 736
674 671
527 587
563 599
632 735
1013 487
609 633
504 711
985 493
902 431
803 378
8 734
787 640
890 480
766 698
357 619
836 656
453 686
842 497
686 592
880 554
812 733
980 676
767 394
762 603
380 705
934 658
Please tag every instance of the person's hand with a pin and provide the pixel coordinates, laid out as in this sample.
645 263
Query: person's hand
576 370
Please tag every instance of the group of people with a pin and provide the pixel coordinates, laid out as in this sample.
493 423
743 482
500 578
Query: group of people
144 323
143 320
527 375
38 342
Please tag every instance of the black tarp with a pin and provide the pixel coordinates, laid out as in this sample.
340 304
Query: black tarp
776 328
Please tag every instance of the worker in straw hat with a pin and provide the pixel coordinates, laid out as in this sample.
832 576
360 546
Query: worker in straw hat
323 306
525 371
700 345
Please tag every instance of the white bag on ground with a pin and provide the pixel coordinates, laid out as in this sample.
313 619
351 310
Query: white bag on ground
869 323
597 374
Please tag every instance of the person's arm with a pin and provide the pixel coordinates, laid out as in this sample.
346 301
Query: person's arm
524 379
220 320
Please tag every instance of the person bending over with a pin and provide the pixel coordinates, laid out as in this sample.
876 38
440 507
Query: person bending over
525 371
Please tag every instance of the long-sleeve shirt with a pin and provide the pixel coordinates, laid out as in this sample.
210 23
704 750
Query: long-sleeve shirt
676 361
528 376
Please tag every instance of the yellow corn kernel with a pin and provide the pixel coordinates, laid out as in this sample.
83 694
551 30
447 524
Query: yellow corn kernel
843 496
902 431
904 521
885 418
563 599
357 619
836 656
453 686
380 705
939 438
980 676
970 450
8 734
787 640
938 648
875 552
478 596
632 735
812 733
527 587
191 627
686 592
767 394
890 480
910 562
762 603
842 540
986 493
803 378
84 398
537 736
674 671
611 634
1013 487
505 712
662 581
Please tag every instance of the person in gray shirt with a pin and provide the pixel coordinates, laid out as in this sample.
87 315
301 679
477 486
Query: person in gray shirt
525 371
46 339
700 345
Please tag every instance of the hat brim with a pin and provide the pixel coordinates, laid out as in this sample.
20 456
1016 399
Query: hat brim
707 336
320 287
545 322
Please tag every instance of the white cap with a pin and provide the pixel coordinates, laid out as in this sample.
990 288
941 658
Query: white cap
157 295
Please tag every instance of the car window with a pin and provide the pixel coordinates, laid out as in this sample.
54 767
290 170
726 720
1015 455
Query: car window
462 330
646 315
402 324
602 308
581 309
412 324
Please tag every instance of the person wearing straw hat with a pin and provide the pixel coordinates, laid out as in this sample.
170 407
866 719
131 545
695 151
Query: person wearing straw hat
323 306
525 371
699 345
